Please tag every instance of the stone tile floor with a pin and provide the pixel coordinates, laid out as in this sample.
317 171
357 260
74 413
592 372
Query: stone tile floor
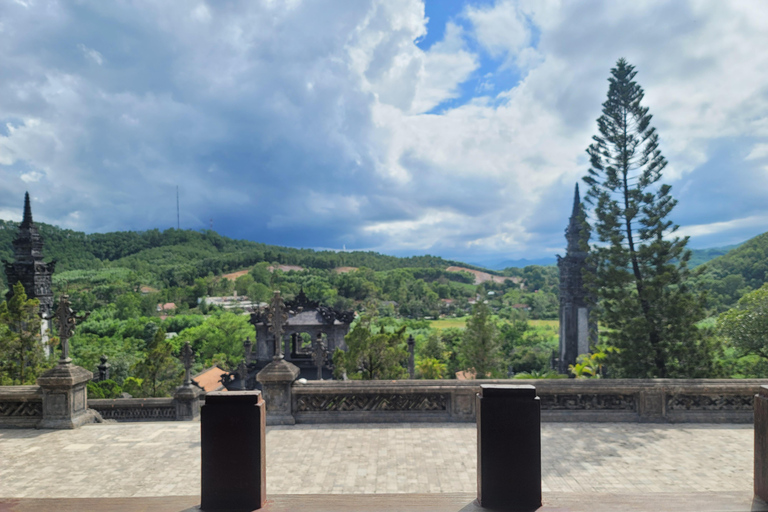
163 459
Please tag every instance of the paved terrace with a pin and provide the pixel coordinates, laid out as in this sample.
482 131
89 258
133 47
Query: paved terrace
163 459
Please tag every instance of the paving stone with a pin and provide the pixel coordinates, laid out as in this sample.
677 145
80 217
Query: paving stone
162 459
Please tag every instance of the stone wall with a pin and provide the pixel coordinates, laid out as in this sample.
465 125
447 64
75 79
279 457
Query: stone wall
135 409
591 400
609 400
20 406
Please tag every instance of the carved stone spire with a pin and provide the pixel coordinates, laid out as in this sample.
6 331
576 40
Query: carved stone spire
576 330
27 220
575 232
28 266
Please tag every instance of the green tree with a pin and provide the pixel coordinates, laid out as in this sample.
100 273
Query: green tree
221 333
374 355
21 352
242 283
746 325
159 371
480 348
431 368
646 308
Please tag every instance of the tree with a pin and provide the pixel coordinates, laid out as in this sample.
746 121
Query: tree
21 352
374 355
746 325
640 269
160 372
480 348
221 333
431 368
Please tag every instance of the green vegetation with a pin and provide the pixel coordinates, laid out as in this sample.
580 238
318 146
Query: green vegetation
639 271
21 354
122 277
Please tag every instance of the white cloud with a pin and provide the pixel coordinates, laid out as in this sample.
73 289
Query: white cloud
310 121
92 54
502 28
759 151
700 230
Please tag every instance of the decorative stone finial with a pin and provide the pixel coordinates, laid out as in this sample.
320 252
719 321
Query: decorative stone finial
277 318
319 354
187 359
242 372
411 354
248 349
65 320
103 368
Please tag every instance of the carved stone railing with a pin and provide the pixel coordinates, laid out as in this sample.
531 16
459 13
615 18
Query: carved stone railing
607 400
20 406
135 409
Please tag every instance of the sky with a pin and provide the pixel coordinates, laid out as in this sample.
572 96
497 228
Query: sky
448 127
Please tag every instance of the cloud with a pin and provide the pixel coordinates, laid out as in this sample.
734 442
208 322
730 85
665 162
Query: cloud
323 124
91 54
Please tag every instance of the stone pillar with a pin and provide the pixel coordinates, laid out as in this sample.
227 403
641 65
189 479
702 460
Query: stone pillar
761 443
186 399
104 369
508 447
276 379
411 364
187 395
233 451
65 397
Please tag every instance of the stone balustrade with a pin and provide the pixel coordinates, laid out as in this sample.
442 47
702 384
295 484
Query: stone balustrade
570 400
21 406
135 409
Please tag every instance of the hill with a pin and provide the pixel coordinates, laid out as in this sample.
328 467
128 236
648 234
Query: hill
726 278
176 256
702 256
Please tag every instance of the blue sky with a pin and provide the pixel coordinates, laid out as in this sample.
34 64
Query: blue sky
454 127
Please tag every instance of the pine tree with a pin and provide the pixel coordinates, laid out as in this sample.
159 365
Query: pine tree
160 372
480 348
374 355
640 269
21 353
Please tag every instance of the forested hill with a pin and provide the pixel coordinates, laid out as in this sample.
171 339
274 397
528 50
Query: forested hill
728 277
702 256
176 256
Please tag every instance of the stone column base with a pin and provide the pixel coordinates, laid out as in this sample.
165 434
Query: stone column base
276 379
65 397
186 399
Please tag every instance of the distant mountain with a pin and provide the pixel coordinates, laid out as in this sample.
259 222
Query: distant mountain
698 257
701 256
500 264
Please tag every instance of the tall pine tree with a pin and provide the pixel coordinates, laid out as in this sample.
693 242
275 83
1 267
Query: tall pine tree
640 268
21 353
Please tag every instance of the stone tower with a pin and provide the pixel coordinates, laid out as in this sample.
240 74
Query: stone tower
576 330
28 266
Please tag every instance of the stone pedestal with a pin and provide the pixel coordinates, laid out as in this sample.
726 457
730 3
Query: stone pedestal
761 443
276 379
186 399
508 447
65 397
233 451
